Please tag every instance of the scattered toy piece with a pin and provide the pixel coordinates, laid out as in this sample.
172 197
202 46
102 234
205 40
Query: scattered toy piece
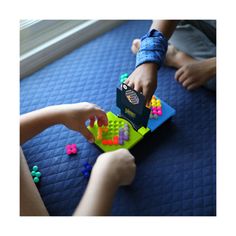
35 174
71 149
85 173
87 170
88 166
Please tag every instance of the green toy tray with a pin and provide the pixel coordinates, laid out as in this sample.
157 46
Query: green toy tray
114 124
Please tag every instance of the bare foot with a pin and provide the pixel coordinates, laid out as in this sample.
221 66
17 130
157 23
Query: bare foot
176 58
135 46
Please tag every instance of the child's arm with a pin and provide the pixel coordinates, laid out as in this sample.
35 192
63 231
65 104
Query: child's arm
110 171
144 77
167 27
73 116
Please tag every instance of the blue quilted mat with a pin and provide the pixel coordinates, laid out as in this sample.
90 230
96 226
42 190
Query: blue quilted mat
176 165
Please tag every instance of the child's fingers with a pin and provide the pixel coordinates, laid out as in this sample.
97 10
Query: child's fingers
87 134
138 87
101 116
99 112
99 123
102 121
92 120
129 83
105 121
147 94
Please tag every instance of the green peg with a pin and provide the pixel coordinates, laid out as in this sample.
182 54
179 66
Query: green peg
36 180
35 168
38 174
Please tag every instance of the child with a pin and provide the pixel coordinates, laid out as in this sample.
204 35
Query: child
110 171
191 50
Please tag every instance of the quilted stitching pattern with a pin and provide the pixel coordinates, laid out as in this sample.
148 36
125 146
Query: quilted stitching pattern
176 165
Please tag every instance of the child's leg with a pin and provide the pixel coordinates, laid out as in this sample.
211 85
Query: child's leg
31 203
191 41
188 45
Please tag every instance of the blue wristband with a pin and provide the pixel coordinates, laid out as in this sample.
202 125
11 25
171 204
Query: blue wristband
152 49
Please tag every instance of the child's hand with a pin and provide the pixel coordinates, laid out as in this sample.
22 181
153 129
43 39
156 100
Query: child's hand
74 117
117 167
144 80
111 170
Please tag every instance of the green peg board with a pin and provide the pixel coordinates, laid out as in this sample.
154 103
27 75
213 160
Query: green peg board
113 130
